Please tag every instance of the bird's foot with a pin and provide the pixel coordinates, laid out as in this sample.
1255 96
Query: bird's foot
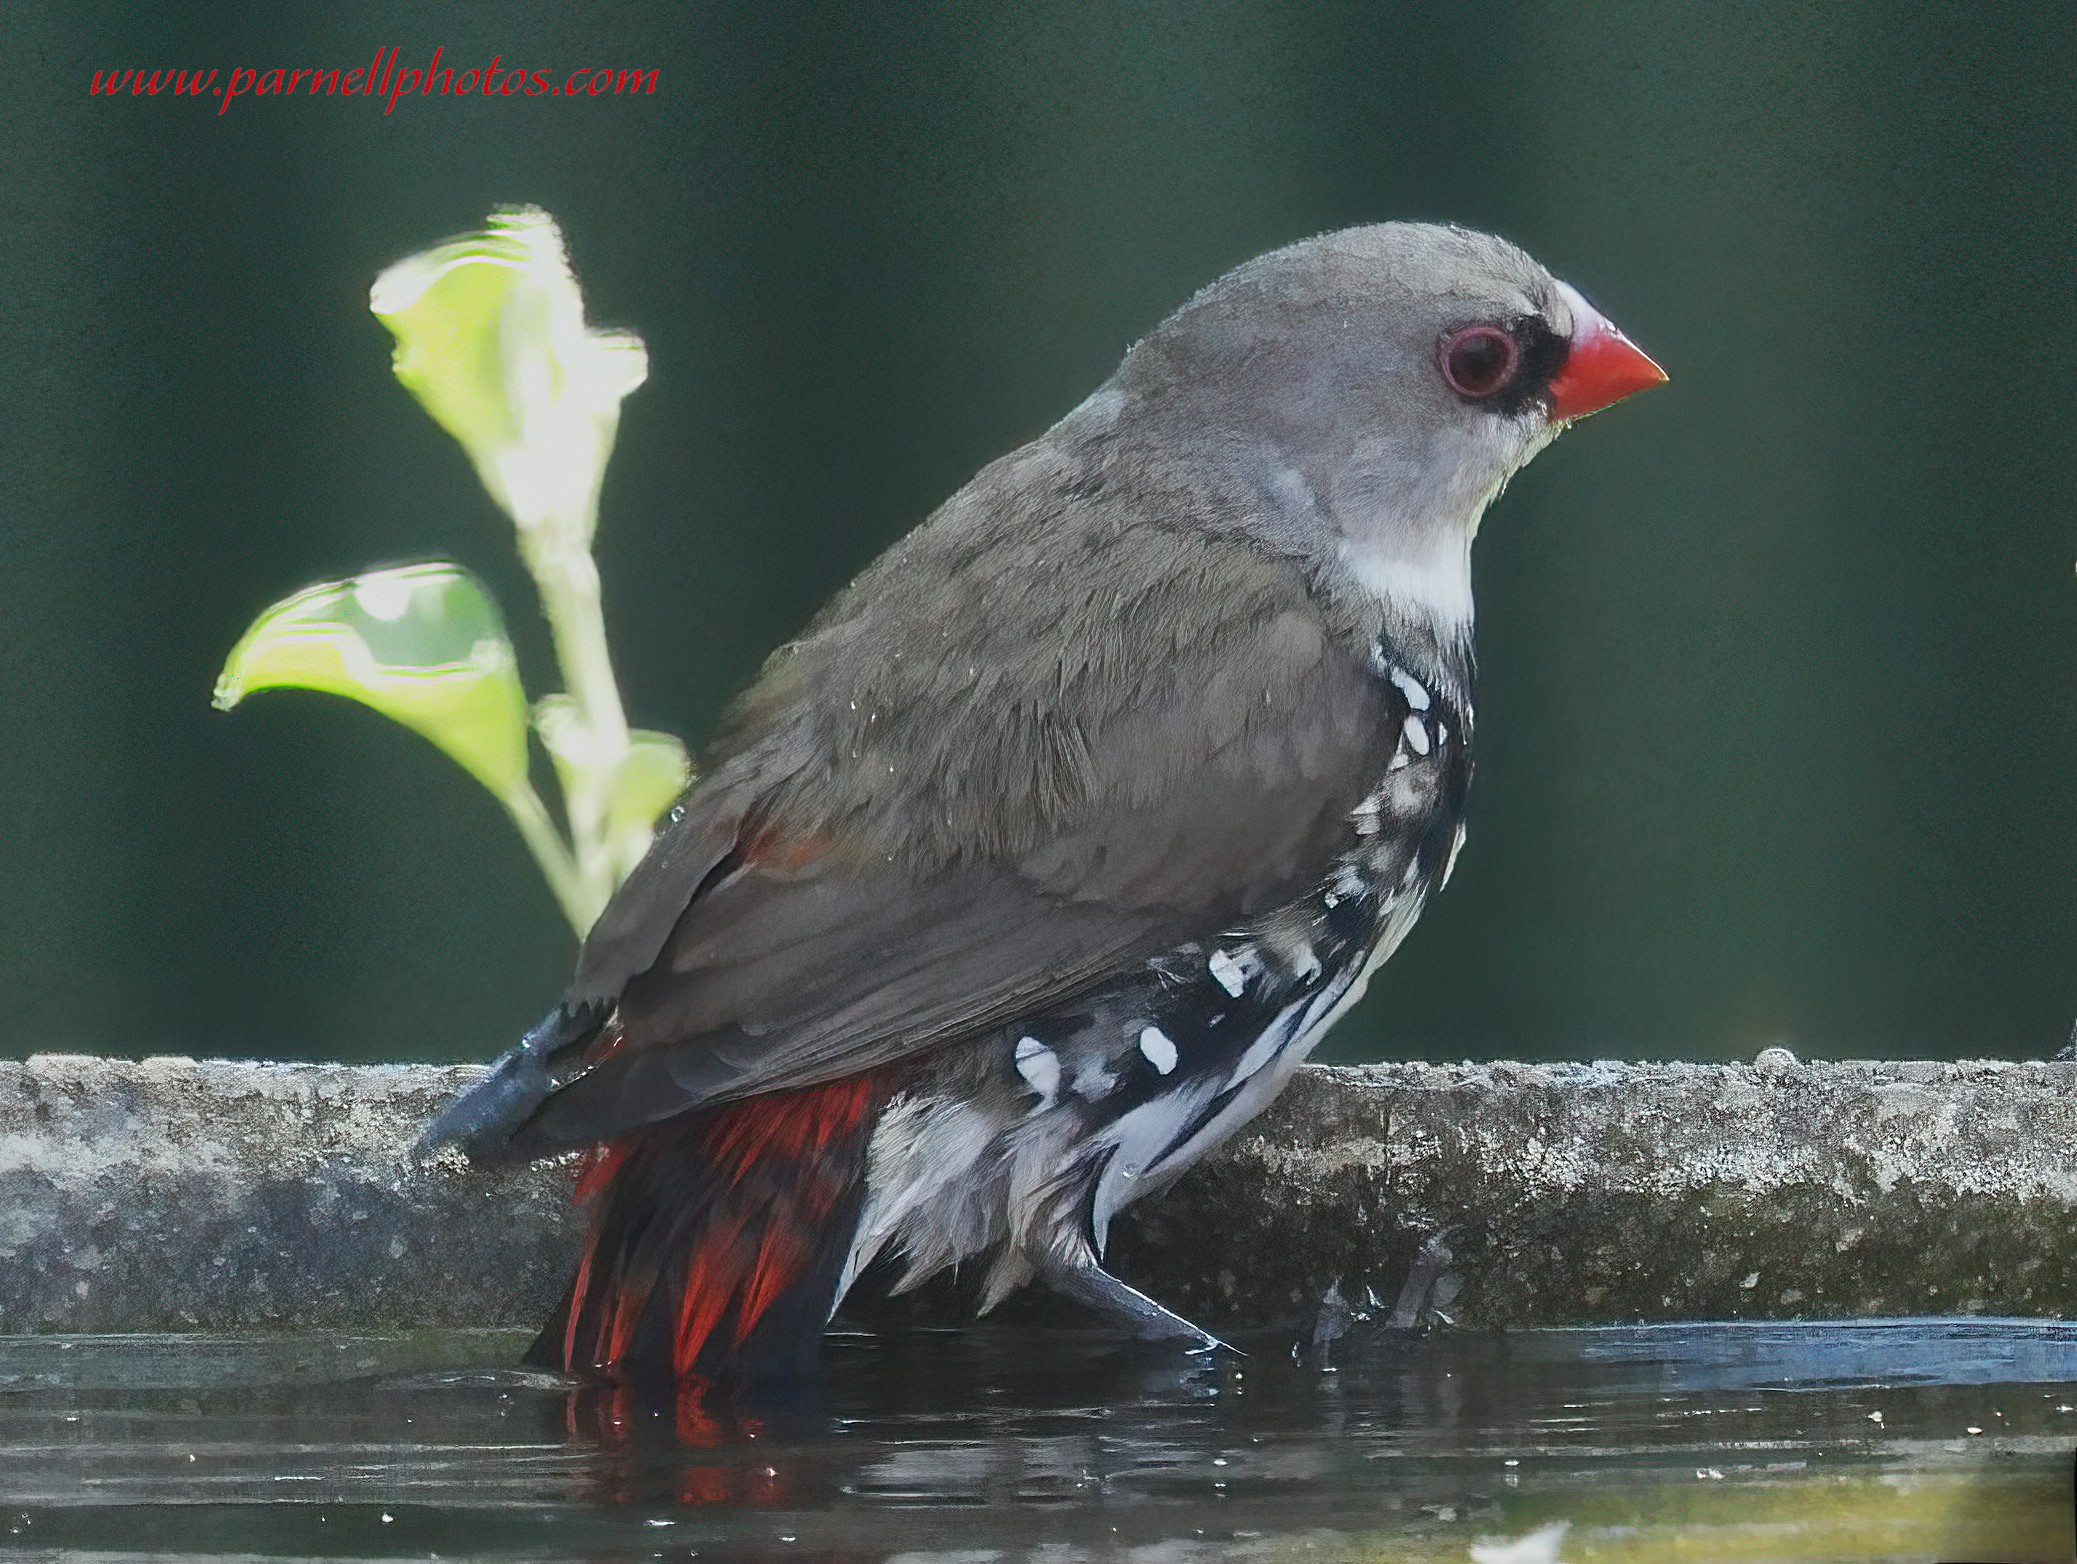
1082 1279
1431 1286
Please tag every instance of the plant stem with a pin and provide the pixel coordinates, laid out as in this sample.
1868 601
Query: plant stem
567 578
579 904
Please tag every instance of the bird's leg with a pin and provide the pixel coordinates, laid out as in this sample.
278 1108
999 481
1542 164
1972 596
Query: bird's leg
1072 1271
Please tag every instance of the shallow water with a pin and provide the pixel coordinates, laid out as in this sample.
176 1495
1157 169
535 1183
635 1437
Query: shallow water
1940 1439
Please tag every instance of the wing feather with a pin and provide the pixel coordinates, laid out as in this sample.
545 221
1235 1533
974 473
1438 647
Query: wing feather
894 851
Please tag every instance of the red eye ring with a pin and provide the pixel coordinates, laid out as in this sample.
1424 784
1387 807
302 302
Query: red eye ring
1478 360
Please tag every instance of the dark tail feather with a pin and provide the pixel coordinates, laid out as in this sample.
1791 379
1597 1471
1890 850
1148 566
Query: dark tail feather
717 1239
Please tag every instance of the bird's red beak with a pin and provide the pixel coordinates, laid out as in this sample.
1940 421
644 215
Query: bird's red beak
1602 367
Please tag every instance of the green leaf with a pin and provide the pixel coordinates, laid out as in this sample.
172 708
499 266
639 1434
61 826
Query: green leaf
422 644
491 338
652 777
651 774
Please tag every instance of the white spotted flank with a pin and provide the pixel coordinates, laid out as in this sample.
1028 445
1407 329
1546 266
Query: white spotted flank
1040 1067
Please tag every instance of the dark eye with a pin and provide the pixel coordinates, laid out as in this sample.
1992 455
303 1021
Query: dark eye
1479 360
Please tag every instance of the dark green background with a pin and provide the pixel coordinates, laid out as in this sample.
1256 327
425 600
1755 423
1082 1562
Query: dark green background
1777 714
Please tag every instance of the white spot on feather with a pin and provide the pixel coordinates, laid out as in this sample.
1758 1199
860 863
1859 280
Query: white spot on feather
1160 1052
1416 693
1416 732
1040 1067
1228 973
1366 816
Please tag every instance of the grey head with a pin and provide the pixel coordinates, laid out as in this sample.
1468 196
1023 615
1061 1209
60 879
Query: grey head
1372 390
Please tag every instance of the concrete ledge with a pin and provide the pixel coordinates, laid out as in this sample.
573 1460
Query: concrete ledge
179 1195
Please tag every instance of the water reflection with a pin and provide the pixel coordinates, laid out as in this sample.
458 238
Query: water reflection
1898 1438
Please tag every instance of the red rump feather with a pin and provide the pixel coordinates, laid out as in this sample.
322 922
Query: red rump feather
716 1239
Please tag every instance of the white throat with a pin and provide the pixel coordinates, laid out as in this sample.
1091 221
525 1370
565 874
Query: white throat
1407 526
1434 583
